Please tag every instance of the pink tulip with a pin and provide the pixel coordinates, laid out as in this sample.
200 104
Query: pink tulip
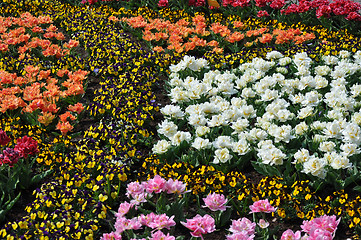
263 223
290 235
215 202
123 224
139 198
161 221
262 206
146 219
243 225
175 186
123 209
163 3
240 236
111 236
327 223
159 235
200 225
320 234
134 188
262 13
155 184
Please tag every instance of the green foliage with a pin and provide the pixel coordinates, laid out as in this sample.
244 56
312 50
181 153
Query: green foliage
13 180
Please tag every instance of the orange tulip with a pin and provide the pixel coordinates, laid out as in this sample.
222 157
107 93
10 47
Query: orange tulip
4 47
11 102
78 108
64 127
64 117
266 38
32 92
158 49
235 37
46 118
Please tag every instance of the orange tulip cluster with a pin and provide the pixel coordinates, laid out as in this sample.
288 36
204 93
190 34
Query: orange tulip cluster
20 38
184 36
38 91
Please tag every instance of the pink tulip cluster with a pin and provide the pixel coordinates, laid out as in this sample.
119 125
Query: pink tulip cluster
324 226
154 221
141 191
24 147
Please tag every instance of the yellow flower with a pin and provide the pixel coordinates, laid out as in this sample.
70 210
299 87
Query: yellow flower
122 177
102 197
281 212
14 225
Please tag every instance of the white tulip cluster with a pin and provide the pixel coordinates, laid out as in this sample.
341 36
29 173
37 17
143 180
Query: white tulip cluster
264 105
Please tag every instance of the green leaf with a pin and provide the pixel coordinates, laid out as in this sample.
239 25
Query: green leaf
7 206
2 198
12 183
176 210
265 169
225 216
357 188
161 204
37 178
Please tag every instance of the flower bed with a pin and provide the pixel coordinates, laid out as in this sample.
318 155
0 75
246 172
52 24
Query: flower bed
92 170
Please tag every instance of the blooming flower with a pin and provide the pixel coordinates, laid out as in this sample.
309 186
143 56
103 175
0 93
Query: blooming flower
146 219
243 225
140 198
26 146
325 223
221 155
262 13
161 147
200 225
290 235
240 236
320 234
155 184
123 224
263 223
161 221
4 139
175 186
123 209
163 3
262 206
64 127
215 202
111 236
78 108
10 156
159 235
134 188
